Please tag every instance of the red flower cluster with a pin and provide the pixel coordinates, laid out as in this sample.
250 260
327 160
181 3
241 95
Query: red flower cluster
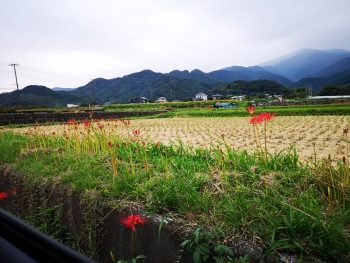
72 122
3 195
250 109
136 132
264 116
87 123
131 221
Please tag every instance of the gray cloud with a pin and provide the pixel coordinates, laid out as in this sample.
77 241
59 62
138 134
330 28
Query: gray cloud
66 43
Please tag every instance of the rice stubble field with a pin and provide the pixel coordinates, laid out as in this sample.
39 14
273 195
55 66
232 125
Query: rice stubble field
310 135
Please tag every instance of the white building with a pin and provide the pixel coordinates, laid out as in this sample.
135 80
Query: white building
201 96
279 98
240 97
161 99
72 105
329 97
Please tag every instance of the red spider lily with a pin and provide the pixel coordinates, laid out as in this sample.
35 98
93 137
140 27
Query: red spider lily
256 120
87 123
72 122
250 109
265 116
136 132
3 195
131 221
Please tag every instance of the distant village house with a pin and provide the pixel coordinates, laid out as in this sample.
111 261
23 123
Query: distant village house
201 96
72 105
139 100
239 98
278 98
161 99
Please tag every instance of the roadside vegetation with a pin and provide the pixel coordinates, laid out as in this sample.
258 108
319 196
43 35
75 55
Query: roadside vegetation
274 200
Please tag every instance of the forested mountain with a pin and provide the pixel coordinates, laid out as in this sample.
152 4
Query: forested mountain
317 83
335 90
146 84
38 96
251 88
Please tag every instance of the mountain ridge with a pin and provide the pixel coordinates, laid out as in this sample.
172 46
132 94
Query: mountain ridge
334 68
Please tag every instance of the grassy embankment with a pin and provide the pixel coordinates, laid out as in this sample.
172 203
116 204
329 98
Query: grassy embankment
275 200
206 109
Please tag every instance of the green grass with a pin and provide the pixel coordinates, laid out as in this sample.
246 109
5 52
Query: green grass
278 200
206 109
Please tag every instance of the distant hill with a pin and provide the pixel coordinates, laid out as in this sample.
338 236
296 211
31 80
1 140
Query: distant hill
317 83
37 96
253 73
174 85
251 88
146 84
195 74
305 63
335 90
230 74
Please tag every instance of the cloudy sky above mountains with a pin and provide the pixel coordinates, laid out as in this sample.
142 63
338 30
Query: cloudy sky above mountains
66 43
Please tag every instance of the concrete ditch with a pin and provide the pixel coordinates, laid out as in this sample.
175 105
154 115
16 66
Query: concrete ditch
95 226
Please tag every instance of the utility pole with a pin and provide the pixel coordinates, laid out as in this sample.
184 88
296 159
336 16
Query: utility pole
14 69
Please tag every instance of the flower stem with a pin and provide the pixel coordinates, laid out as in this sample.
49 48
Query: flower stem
265 130
133 244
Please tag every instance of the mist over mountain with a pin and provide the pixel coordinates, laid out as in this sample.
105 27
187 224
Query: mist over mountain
338 67
305 62
256 73
63 89
317 83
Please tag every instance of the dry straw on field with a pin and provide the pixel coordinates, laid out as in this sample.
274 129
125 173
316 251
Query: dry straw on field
310 135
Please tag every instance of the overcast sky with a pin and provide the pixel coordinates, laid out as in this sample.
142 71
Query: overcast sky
67 43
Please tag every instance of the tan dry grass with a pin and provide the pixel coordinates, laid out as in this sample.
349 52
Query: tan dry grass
322 133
